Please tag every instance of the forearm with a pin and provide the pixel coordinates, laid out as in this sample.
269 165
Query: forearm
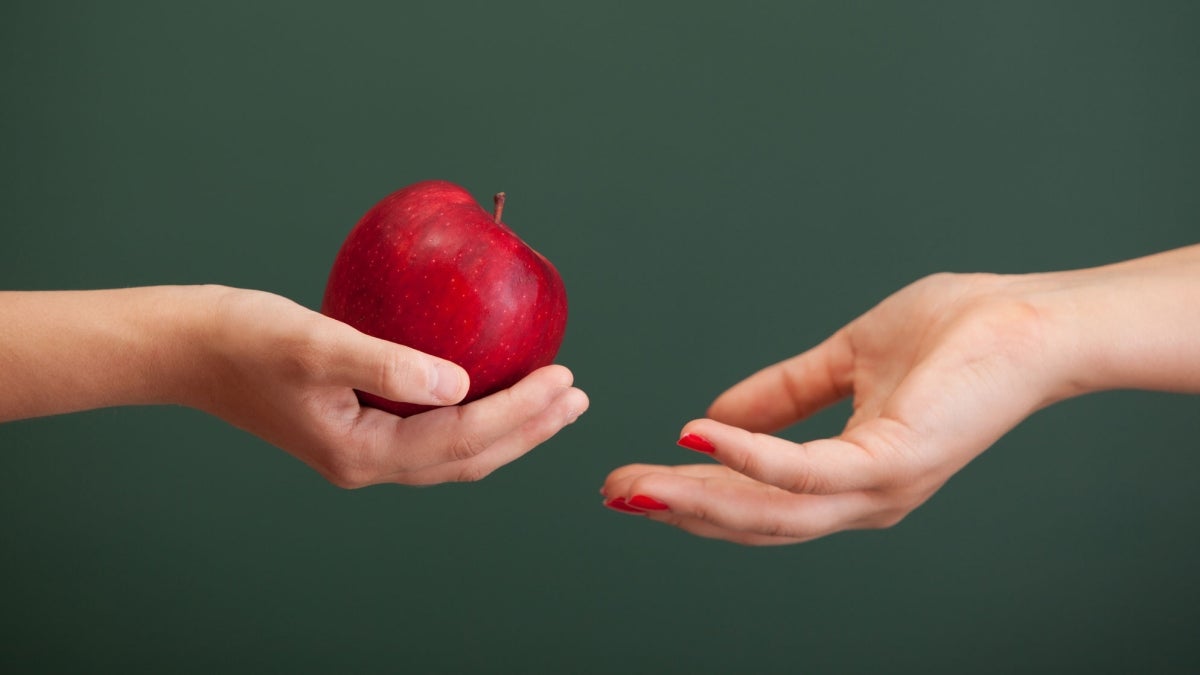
64 351
1131 325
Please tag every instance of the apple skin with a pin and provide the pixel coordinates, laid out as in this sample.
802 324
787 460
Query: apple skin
429 268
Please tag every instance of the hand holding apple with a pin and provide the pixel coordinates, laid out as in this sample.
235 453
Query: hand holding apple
288 375
428 268
276 369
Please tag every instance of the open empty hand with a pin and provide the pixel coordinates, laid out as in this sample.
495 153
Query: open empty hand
937 372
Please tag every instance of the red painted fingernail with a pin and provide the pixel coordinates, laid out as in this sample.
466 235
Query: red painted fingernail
619 504
697 443
649 503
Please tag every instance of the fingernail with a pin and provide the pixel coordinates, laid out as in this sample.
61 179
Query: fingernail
649 503
619 504
697 443
447 381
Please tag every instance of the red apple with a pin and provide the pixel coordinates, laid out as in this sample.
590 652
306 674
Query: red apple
429 268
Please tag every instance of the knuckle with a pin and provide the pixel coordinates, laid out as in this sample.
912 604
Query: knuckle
937 280
346 473
895 472
892 506
348 479
894 456
669 518
473 473
886 519
564 410
303 351
700 512
781 520
773 528
399 374
466 444
744 461
540 428
807 483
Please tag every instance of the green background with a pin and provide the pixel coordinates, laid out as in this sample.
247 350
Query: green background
722 186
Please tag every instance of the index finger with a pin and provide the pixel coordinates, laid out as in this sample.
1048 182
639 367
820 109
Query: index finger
824 466
790 390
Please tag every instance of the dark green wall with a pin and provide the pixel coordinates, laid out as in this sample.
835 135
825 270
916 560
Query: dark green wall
721 187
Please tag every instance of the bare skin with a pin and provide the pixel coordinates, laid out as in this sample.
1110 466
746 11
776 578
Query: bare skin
938 372
278 370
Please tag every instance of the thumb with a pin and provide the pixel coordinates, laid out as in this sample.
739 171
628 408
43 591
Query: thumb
393 371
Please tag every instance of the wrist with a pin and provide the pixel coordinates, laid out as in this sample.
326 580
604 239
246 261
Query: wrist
1068 332
187 331
1131 325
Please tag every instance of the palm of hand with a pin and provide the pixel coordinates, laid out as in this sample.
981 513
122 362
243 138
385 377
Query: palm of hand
289 375
938 372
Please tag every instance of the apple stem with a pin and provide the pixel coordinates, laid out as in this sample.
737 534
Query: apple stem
499 199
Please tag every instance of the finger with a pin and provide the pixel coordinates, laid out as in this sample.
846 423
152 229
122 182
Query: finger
791 390
392 445
564 410
619 480
737 506
703 528
390 370
825 466
697 527
620 486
